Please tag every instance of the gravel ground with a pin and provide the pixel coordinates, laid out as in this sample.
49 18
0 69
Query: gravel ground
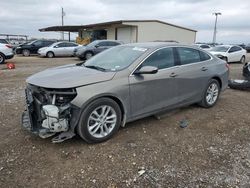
212 151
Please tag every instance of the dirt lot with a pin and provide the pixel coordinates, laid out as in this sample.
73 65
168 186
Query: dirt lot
213 151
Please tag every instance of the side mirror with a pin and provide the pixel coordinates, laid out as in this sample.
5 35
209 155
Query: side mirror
97 46
146 70
56 46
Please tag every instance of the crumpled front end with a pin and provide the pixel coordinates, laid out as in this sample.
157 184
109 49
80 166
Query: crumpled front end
49 112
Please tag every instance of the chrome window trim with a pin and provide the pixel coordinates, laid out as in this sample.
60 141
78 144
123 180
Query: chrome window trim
176 66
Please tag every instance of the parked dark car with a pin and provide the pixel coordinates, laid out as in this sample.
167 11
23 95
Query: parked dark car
95 47
32 47
247 48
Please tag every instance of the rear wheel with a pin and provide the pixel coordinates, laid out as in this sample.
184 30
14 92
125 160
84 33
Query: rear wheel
2 58
211 94
88 55
26 52
242 59
50 55
100 120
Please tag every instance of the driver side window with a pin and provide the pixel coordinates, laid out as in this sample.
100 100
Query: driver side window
163 58
38 43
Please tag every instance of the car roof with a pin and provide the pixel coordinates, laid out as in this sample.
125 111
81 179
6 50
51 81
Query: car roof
225 45
107 41
152 45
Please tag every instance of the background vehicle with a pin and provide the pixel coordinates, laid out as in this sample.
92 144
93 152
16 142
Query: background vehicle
32 47
4 41
58 49
247 48
229 53
6 52
203 46
95 47
122 84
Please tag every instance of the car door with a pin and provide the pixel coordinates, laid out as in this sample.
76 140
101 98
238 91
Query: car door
35 46
234 54
59 49
70 48
101 46
151 92
192 75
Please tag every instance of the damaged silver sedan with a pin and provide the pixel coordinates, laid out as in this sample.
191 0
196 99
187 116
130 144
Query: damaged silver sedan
120 85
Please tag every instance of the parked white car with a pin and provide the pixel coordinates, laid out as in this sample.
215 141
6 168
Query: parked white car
203 46
6 52
58 49
229 53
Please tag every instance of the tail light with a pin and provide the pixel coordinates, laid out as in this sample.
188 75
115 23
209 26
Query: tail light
227 65
8 46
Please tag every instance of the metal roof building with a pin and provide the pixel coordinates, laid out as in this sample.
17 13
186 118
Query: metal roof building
131 31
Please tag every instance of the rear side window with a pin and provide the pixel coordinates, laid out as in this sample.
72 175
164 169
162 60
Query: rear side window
103 44
163 58
61 45
71 45
204 56
113 43
234 49
188 55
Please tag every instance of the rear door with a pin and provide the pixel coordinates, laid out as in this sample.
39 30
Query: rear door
69 49
234 54
35 46
60 49
101 46
151 92
193 74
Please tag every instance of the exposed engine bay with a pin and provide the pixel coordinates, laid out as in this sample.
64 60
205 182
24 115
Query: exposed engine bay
49 111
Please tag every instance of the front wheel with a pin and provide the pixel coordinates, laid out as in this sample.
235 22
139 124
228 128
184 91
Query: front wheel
100 120
211 94
88 55
2 58
242 59
26 53
50 55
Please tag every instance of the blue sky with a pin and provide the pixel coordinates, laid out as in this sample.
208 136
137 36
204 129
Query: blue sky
27 16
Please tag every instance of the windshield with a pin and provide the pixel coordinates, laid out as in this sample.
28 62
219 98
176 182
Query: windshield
116 58
220 48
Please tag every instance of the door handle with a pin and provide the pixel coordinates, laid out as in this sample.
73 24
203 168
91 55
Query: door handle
173 74
204 68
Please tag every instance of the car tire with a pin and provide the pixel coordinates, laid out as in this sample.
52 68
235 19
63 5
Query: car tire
2 58
211 94
242 59
50 55
242 85
97 125
26 53
88 55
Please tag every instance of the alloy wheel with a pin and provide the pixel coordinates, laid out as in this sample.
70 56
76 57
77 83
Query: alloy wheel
212 93
102 121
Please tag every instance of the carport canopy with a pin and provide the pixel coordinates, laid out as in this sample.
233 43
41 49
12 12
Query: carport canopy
76 28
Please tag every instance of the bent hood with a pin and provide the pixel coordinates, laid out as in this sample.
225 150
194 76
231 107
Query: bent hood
68 76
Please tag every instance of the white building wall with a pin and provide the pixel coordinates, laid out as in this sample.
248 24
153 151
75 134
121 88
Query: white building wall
151 31
111 33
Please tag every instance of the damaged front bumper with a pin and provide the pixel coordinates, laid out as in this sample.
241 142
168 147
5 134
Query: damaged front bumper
49 113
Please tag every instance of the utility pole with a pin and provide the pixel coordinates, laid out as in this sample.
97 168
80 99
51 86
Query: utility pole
63 14
215 26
